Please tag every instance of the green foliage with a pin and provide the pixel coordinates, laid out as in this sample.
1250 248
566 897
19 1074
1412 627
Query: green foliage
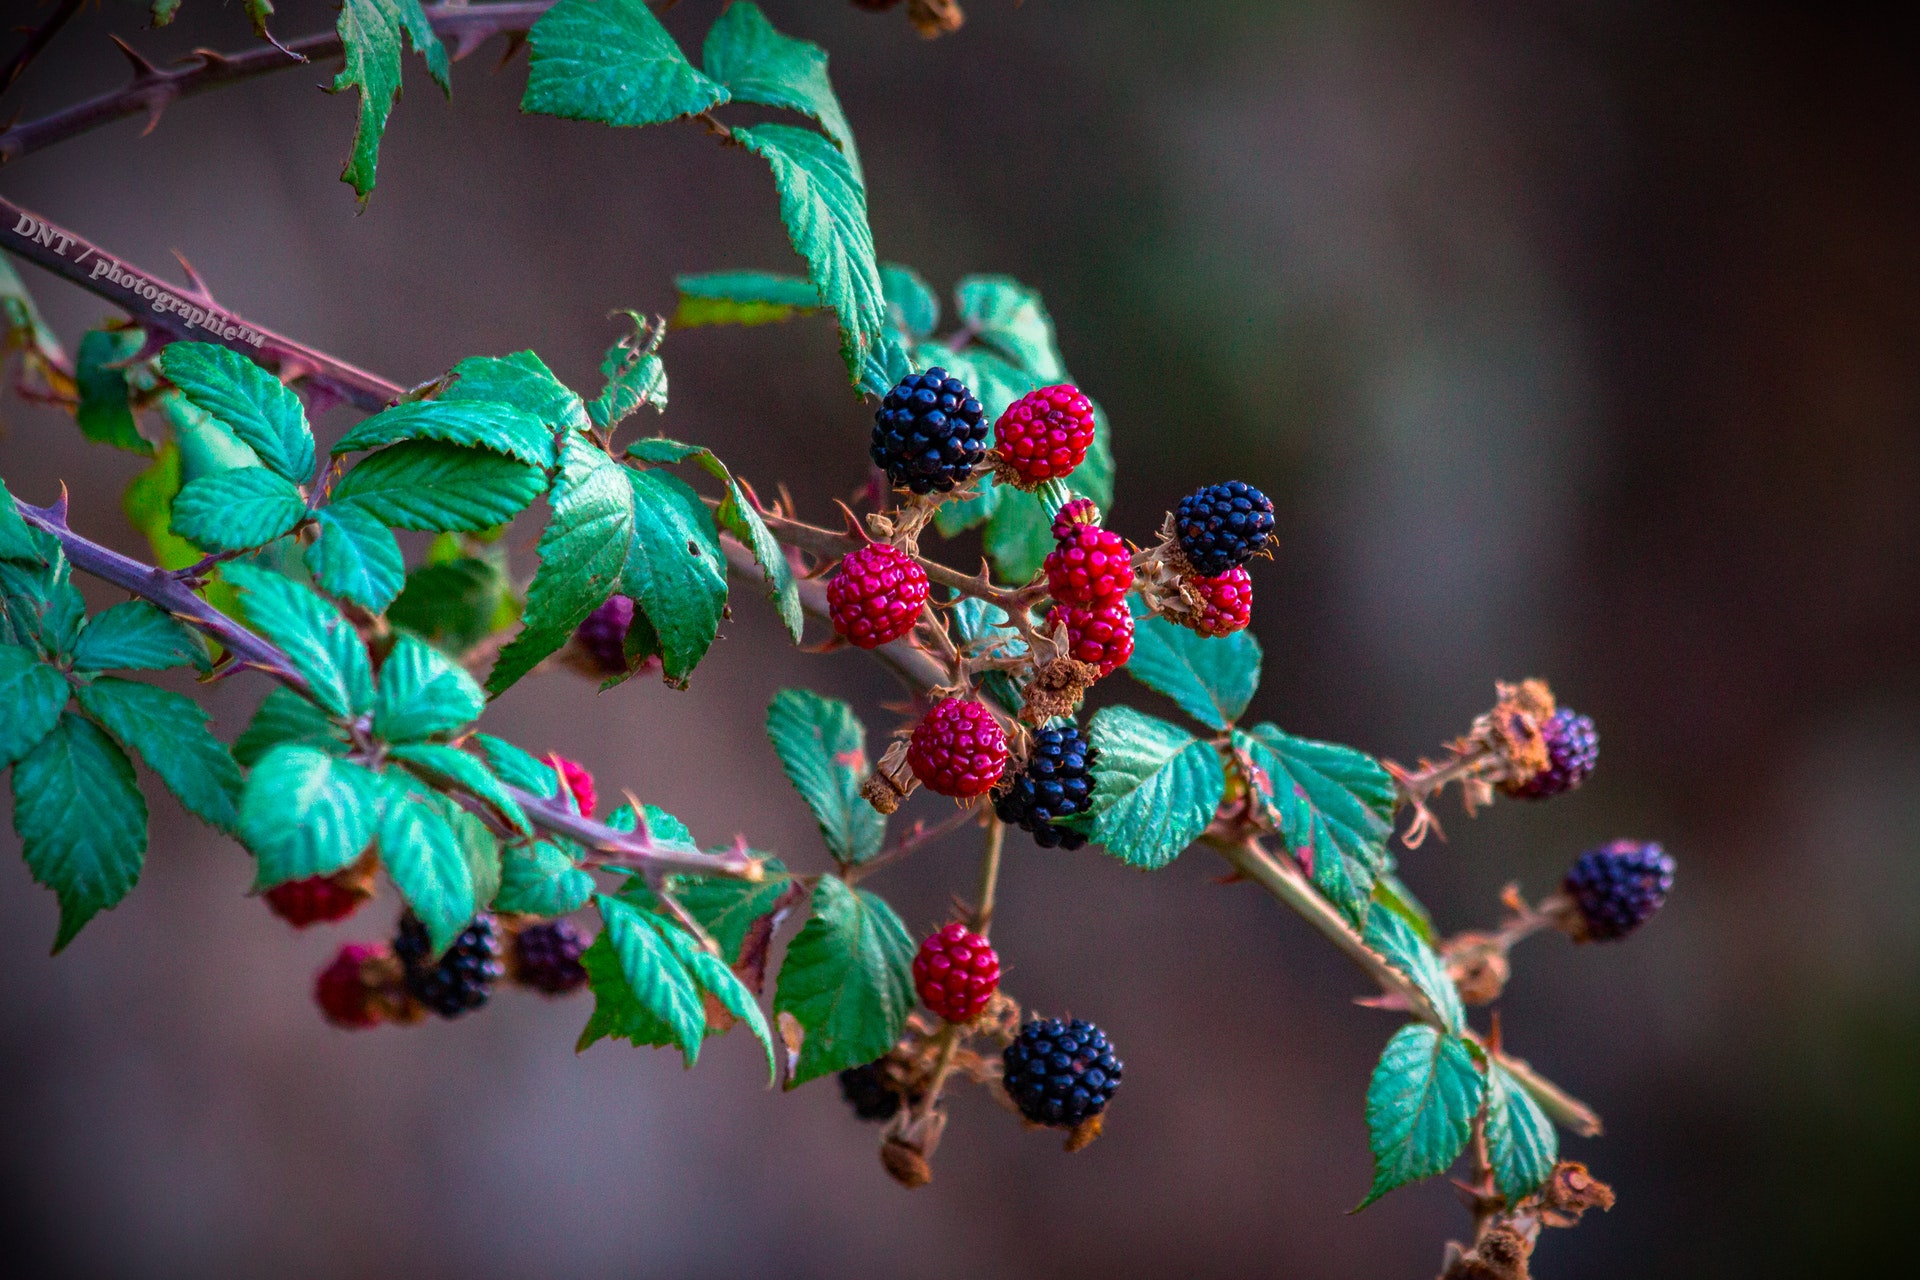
285 716
453 767
32 694
912 306
237 510
1421 1103
135 636
454 604
976 620
1212 679
16 540
1404 949
674 569
516 768
635 376
247 400
169 731
148 505
1334 806
743 297
483 424
657 983
847 980
305 812
355 557
100 380
81 820
421 692
1521 1144
371 31
1155 787
521 380
425 858
541 879
1010 318
42 608
322 646
432 486
729 910
611 61
823 748
714 977
758 64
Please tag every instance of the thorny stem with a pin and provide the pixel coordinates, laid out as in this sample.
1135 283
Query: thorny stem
906 844
830 544
37 41
989 875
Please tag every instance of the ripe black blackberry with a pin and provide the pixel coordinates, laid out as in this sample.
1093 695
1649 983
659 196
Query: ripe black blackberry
546 957
1222 526
929 433
1056 783
865 1090
1573 748
1618 886
1060 1073
462 979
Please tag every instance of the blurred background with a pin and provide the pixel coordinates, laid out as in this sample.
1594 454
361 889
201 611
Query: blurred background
1571 339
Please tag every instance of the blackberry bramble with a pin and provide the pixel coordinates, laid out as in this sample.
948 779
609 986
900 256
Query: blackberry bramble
1223 526
1618 887
956 972
459 981
1044 435
1057 783
876 596
958 749
1061 1073
929 433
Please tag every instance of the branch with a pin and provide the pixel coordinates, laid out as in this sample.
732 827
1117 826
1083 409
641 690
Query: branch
36 42
635 849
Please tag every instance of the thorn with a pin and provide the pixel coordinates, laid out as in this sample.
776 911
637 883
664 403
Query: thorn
154 108
200 292
142 69
515 41
60 504
213 59
855 529
269 37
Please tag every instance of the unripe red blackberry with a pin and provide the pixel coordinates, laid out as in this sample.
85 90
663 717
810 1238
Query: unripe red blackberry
603 636
1573 748
580 783
546 957
315 899
1227 603
1101 637
1088 566
876 596
958 749
866 1091
1223 526
1618 887
956 972
342 989
462 979
1057 783
1045 434
929 433
1060 1073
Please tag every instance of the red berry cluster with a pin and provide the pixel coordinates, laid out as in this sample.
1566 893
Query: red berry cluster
579 784
1089 566
315 899
1045 434
1227 603
1102 637
956 972
876 596
958 749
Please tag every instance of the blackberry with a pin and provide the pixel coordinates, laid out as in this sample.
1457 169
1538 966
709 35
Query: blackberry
930 433
1573 748
1060 1073
958 749
462 979
603 636
1618 886
546 957
1056 783
865 1090
1222 526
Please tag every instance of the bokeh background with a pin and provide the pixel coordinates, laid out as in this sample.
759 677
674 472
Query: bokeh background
1573 339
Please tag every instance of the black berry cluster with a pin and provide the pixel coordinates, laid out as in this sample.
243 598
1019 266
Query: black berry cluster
866 1092
1060 1073
1222 526
1573 748
547 957
462 979
604 634
1619 886
930 433
1055 784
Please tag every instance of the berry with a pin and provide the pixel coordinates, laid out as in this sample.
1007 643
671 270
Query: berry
546 957
958 749
1227 603
1060 1073
930 433
876 596
1619 886
1101 637
1056 783
1572 750
603 636
1045 433
462 979
1221 526
342 990
865 1089
956 972
579 783
1088 565
304 902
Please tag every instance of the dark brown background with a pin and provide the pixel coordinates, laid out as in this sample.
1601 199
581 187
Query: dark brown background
1571 339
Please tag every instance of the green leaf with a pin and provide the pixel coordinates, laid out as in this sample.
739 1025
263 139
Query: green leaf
303 813
517 768
285 716
450 764
426 860
521 380
479 846
1212 679
237 510
1335 810
1390 893
976 620
1010 317
847 980
659 982
823 748
16 540
541 880
477 423
453 604
37 596
824 206
433 486
247 400
81 820
675 570
163 11
1521 1143
582 551
737 516
323 646
729 909
912 305
635 376
169 731
1407 951
616 1012
758 64
356 558
661 825
422 692
148 505
370 31
743 297
611 61
1421 1103
712 974
135 636
100 378
1155 787
206 444
31 695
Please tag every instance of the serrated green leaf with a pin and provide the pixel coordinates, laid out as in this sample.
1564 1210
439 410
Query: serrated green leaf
16 540
422 692
847 980
169 731
285 716
425 860
247 400
148 505
479 846
729 909
304 812
884 366
1421 1103
370 32
617 1014
1390 893
450 764
659 982
432 486
81 821
1334 806
41 605
541 880
31 695
103 412
517 768
135 636
1212 679
206 444
743 297
913 306
1407 951
1156 787
1521 1144
323 646
976 620
237 510
712 975
1010 317
824 206
472 423
823 748
611 61
675 570
356 558
635 376
758 64
737 516
521 380
452 604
